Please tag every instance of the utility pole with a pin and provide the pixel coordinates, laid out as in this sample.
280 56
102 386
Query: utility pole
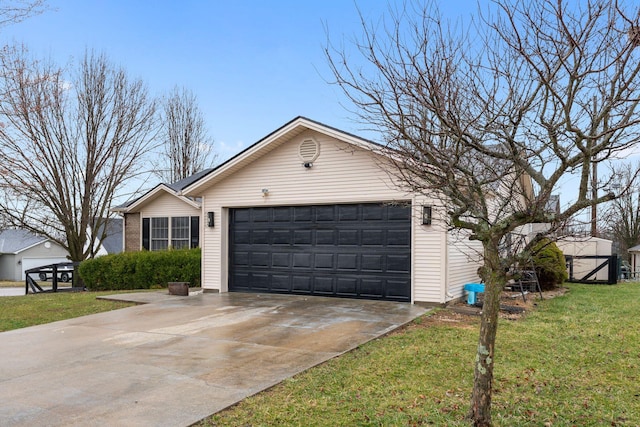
594 197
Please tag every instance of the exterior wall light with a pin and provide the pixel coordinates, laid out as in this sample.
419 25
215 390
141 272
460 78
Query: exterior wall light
210 219
426 215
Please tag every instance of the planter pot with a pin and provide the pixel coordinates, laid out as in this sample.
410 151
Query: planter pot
178 288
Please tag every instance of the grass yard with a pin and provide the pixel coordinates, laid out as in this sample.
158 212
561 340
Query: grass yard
573 362
11 284
28 310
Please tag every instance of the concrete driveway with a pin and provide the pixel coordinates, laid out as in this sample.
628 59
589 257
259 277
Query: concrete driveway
176 360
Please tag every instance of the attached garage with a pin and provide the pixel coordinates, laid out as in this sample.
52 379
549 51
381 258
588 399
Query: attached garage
312 210
344 250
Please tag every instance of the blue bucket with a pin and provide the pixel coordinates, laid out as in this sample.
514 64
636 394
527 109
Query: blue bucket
473 288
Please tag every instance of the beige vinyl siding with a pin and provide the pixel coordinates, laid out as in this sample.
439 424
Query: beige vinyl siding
168 205
429 255
465 257
341 174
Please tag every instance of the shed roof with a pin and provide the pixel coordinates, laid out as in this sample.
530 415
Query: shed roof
635 248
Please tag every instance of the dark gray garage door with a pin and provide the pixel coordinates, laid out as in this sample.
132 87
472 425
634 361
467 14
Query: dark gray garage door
355 251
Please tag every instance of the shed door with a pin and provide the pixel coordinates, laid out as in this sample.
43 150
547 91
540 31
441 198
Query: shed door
355 251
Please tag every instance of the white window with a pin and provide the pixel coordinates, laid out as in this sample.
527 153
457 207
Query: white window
159 233
180 232
176 232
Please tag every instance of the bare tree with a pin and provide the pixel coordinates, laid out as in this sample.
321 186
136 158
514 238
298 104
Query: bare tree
531 91
622 216
68 145
13 11
188 148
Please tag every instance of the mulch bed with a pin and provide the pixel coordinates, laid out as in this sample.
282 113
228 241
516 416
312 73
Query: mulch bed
512 305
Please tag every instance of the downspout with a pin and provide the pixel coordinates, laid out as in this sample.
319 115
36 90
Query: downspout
449 296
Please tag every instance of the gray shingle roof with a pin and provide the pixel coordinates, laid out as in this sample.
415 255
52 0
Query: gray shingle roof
15 240
112 243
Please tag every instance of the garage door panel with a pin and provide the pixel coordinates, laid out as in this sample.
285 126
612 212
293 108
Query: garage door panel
373 237
371 287
241 259
260 237
261 214
302 260
372 212
398 263
325 213
302 237
301 284
282 214
281 282
323 261
281 260
325 237
261 259
347 262
399 238
323 285
347 213
347 286
242 236
281 237
361 250
396 288
348 237
259 281
372 263
398 213
302 214
241 281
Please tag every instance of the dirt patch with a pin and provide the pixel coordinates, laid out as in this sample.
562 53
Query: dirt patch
512 307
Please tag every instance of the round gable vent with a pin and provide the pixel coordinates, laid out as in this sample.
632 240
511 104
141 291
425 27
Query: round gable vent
309 150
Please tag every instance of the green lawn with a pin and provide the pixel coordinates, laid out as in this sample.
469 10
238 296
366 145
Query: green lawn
573 362
28 310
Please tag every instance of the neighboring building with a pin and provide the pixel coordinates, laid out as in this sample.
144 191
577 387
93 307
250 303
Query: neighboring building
113 240
162 218
634 253
309 210
586 249
22 250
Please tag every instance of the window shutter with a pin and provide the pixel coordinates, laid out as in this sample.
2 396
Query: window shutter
146 231
195 231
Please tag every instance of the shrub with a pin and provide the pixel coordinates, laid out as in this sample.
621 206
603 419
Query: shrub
141 270
550 265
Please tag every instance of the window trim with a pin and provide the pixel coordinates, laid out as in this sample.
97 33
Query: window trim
192 239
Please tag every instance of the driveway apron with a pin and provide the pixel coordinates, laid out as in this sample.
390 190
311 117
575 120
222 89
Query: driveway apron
176 360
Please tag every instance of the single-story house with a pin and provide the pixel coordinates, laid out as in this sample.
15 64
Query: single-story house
22 250
309 210
162 218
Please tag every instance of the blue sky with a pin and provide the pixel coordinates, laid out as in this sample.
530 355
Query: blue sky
254 65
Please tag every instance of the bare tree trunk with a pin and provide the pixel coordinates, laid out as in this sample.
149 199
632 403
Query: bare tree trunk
484 362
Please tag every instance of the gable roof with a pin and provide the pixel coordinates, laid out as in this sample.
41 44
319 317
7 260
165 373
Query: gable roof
112 242
273 140
14 241
173 189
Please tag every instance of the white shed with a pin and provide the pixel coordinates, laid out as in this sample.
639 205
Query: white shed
586 246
